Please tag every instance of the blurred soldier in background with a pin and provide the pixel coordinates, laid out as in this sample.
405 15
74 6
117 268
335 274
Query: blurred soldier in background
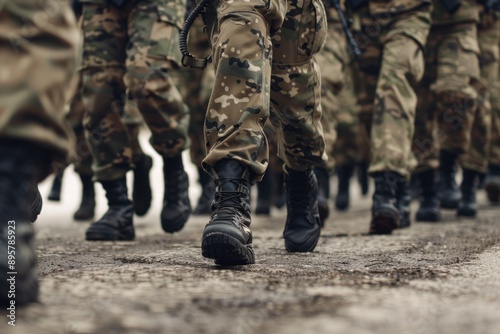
39 56
128 52
392 35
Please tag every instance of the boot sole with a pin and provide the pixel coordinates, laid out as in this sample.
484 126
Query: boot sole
493 192
384 223
433 217
304 247
226 250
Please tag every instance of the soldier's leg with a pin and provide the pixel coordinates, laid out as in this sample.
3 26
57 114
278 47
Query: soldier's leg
456 102
83 162
38 61
393 120
296 103
105 39
237 152
475 161
489 39
151 55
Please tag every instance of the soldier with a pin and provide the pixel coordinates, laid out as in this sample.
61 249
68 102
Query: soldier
392 36
38 63
129 50
263 58
195 86
489 39
455 101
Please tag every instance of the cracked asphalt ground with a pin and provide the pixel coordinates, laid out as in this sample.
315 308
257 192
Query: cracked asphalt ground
431 278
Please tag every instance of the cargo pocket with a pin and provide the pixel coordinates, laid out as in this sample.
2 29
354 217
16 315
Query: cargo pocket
313 28
164 39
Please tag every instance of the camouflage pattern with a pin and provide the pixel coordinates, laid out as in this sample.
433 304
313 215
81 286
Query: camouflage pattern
478 155
195 86
391 65
263 60
38 64
489 43
339 120
129 53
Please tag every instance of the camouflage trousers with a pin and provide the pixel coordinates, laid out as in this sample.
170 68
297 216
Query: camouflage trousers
264 67
339 120
128 55
391 65
38 64
74 117
453 100
195 86
489 43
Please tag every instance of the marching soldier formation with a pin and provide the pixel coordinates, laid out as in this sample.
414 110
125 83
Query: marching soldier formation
284 104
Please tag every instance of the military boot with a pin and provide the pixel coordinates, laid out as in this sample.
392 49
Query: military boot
227 237
385 213
363 178
204 205
176 204
429 210
141 193
264 195
19 172
36 204
117 222
323 179
303 225
403 202
467 206
87 205
55 190
344 174
448 192
492 184
279 193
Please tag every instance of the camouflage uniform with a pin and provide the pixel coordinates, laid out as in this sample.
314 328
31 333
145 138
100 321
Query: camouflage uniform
128 53
246 80
494 150
392 37
39 56
49 72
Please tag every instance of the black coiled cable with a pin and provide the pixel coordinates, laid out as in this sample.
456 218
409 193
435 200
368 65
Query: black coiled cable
187 58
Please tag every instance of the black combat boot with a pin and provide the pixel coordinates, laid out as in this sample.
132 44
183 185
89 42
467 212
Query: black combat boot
227 237
176 204
403 202
429 210
448 192
19 172
55 190
385 213
323 179
264 194
344 174
492 184
117 222
279 193
141 193
36 204
467 206
303 226
363 178
204 205
87 205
